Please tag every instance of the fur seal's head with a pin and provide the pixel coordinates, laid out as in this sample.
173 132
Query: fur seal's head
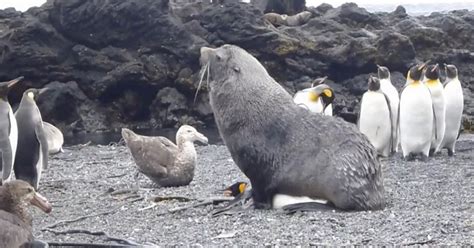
451 71
432 72
374 83
383 72
226 62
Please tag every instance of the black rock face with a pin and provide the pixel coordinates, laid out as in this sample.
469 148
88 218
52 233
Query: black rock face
135 63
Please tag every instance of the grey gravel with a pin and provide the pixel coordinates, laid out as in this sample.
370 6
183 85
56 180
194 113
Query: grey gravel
429 203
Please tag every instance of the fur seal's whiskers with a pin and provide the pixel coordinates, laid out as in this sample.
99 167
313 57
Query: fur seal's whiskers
203 72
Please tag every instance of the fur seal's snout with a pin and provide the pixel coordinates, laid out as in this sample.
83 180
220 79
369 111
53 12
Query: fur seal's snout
205 55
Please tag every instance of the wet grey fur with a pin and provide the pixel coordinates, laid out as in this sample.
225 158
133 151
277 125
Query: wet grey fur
283 148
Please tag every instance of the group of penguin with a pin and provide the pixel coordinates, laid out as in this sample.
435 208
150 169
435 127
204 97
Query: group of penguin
422 119
25 139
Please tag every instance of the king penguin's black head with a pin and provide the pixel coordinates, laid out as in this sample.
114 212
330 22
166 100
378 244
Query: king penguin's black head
235 189
432 72
34 93
416 72
5 86
451 71
374 83
383 72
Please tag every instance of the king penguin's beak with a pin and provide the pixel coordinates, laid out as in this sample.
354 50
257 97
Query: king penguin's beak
423 65
14 81
319 81
435 67
43 90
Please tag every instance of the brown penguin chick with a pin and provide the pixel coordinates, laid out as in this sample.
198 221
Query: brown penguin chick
161 160
15 221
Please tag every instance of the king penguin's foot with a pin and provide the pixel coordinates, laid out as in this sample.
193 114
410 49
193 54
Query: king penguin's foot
409 157
450 152
423 157
431 152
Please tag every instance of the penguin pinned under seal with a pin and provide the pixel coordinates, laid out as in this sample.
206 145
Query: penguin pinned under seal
454 107
392 93
32 152
415 115
317 99
431 80
375 120
8 131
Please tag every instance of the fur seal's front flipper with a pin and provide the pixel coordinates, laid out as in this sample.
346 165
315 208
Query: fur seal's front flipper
41 137
308 207
241 202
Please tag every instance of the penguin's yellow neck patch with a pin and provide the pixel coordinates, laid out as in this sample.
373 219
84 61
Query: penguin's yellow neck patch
313 97
31 95
327 92
242 187
432 82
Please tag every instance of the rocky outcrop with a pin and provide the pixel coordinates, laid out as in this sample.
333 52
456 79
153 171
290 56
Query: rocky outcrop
134 63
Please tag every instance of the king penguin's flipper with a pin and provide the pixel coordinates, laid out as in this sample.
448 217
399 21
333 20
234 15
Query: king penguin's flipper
6 152
240 203
308 207
41 137
391 148
434 115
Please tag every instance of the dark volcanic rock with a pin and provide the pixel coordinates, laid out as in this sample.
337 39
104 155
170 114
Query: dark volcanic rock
135 62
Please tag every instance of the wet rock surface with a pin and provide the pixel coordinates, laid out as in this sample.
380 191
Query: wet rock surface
121 54
428 203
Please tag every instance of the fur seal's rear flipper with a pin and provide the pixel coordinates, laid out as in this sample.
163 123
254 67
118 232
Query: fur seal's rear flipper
239 204
41 136
308 207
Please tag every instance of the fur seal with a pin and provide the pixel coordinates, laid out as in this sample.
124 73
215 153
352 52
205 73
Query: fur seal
32 151
8 132
161 160
289 156
285 20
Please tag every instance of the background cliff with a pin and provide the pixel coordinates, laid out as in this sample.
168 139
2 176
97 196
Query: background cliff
135 63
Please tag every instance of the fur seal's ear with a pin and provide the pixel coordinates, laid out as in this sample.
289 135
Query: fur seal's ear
236 69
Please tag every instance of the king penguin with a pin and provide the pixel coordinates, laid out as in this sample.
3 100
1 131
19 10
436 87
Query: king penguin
454 106
433 83
32 153
392 93
317 99
375 118
415 115
8 131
